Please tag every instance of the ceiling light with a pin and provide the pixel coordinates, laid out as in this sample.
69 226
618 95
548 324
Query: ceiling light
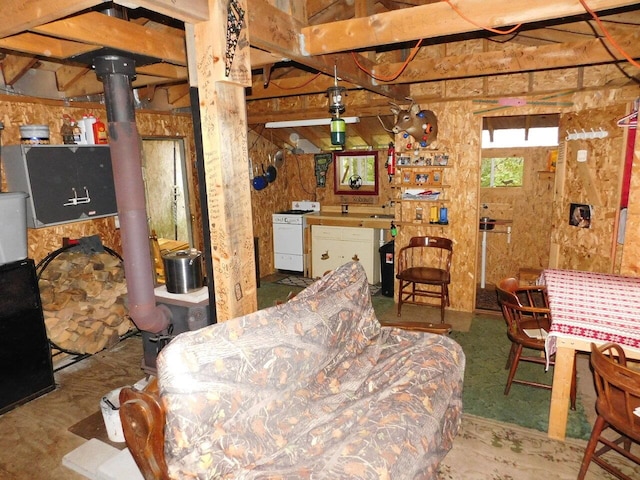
335 94
309 122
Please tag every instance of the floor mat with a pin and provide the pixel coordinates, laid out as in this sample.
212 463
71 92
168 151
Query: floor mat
93 427
486 298
304 282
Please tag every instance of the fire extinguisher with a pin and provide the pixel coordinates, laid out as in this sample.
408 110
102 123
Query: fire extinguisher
391 161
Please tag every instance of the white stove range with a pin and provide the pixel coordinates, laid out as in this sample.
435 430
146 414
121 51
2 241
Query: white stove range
288 236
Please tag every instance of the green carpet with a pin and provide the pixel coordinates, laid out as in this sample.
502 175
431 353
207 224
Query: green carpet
486 347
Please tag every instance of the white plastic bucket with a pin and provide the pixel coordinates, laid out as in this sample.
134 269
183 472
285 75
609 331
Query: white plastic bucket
13 234
110 407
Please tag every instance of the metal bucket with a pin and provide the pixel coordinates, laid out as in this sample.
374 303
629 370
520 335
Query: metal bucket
183 271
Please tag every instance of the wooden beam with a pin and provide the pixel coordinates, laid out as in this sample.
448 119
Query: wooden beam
21 15
95 28
409 24
260 58
275 31
88 84
546 57
286 87
44 46
224 136
165 70
66 75
190 12
15 66
176 92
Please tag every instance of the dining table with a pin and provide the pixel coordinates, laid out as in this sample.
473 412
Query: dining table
586 307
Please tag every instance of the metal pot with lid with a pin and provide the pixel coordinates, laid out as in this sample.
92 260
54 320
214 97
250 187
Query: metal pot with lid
183 271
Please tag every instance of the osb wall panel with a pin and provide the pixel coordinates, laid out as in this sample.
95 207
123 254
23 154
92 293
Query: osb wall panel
529 208
460 124
459 135
595 182
16 111
296 180
460 128
275 198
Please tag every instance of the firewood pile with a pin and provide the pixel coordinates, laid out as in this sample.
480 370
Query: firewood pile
84 301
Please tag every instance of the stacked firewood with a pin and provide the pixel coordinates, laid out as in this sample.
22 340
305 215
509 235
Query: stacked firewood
83 299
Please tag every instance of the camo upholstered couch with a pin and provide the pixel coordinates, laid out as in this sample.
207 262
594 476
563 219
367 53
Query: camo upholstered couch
313 388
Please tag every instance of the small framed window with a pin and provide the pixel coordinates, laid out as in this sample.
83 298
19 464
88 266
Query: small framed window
502 172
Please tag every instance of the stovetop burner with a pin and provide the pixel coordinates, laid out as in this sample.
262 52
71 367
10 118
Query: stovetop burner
295 212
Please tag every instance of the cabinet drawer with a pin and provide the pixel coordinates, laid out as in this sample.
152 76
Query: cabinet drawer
350 234
325 232
357 234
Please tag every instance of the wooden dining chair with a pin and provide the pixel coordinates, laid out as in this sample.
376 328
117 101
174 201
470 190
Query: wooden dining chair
618 397
526 312
424 272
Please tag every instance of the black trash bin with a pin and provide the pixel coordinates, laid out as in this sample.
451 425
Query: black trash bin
387 268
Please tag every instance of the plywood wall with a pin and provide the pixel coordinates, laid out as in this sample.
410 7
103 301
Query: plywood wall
296 180
529 209
460 126
595 182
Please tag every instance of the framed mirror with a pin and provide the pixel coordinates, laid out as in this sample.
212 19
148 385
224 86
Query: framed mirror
355 173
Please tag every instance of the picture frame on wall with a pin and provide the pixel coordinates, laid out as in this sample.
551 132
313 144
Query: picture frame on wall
355 173
580 215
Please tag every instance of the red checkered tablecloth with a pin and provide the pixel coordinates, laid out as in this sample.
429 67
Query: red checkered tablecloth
593 306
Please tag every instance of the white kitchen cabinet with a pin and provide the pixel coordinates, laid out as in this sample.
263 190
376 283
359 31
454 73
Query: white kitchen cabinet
334 246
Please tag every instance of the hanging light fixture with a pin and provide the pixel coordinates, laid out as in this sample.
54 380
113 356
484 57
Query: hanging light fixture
336 107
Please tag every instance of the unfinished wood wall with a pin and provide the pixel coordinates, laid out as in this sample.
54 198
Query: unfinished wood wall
296 180
460 124
595 182
529 208
16 111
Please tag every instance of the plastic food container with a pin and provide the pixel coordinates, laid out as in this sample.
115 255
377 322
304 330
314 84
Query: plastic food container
110 407
13 234
34 134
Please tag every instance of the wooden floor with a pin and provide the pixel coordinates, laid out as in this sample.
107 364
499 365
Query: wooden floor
34 437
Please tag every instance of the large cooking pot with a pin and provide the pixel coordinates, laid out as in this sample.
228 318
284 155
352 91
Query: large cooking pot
260 182
271 173
183 271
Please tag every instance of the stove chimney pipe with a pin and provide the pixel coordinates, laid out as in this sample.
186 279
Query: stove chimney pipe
116 73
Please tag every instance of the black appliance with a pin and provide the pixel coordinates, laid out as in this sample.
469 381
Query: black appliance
387 268
26 369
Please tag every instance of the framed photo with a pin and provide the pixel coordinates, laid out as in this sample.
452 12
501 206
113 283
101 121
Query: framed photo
422 178
355 173
436 177
580 215
441 159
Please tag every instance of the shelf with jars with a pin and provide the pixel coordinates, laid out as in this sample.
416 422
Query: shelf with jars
421 188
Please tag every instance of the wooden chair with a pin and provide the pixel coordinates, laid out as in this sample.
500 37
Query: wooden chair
424 271
526 312
618 395
143 421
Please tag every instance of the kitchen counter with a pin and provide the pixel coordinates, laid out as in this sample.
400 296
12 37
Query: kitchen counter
364 220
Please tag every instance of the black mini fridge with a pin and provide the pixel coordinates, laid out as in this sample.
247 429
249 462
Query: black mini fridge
387 268
26 369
